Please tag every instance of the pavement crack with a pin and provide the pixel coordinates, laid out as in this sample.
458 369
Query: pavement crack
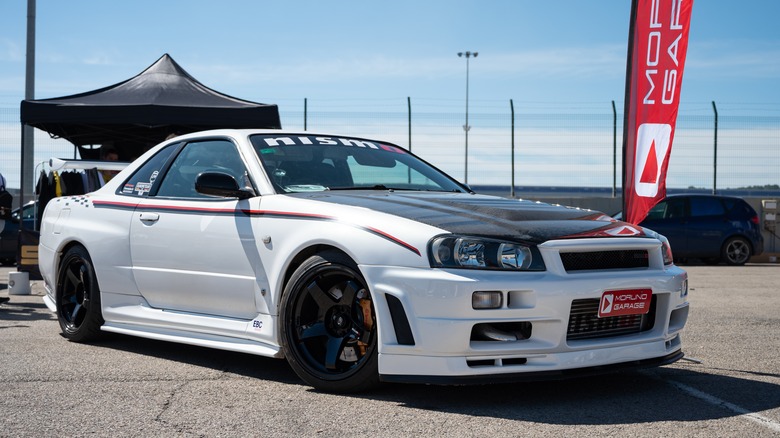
168 401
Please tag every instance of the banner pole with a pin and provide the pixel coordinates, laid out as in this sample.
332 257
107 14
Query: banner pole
614 150
627 102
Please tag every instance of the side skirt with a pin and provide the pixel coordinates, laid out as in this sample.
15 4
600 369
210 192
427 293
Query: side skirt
198 339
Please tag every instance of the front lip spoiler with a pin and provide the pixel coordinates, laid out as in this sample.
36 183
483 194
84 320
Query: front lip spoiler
534 376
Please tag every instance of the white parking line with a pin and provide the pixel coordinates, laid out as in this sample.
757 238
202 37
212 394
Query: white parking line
757 418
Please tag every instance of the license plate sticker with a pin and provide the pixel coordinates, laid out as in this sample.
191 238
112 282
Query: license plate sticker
625 302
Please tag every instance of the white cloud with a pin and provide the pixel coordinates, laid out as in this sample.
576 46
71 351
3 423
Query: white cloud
580 62
11 51
98 59
735 59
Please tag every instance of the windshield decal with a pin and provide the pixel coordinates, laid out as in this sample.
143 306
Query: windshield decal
303 140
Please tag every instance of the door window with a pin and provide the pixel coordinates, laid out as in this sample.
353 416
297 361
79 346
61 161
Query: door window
196 158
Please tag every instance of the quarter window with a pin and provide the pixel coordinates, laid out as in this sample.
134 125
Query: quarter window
140 183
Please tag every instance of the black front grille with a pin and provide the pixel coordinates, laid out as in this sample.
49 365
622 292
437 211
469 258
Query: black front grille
584 321
598 260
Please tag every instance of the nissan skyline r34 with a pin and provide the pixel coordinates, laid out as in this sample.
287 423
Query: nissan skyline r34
358 263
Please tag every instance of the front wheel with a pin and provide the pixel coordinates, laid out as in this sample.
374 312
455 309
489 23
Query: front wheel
736 251
328 325
78 297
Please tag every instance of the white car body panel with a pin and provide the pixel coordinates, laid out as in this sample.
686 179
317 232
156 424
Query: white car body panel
161 256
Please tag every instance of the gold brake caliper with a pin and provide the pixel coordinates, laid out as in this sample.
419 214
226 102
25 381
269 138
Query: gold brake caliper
368 319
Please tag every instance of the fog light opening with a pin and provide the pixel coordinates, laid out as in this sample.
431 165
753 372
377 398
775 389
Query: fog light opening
487 300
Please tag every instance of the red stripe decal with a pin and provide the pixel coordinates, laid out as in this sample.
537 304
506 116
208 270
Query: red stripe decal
268 213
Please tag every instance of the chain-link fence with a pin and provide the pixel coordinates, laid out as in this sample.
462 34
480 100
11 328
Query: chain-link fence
554 145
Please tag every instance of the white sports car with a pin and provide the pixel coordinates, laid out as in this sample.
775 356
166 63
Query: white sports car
357 262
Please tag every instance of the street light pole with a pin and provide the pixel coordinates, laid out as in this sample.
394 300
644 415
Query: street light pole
466 127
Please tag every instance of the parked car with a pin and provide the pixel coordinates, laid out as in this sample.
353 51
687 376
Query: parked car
9 236
713 228
357 262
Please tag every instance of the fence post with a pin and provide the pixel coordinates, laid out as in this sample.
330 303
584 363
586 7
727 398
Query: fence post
614 150
512 108
715 153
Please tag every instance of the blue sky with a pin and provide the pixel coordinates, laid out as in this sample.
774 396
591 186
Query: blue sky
282 51
366 58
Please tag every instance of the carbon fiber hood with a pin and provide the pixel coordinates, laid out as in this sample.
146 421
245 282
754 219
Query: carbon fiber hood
480 215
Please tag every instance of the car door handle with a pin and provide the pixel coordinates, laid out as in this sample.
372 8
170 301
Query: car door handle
149 217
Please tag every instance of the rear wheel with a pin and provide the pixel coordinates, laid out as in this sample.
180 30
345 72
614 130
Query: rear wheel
328 325
736 251
78 297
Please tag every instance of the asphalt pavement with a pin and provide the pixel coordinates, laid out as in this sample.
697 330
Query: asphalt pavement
124 386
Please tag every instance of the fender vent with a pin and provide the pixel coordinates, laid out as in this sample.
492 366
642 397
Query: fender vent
403 333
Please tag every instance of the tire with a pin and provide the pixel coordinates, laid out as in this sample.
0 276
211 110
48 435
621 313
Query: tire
328 325
78 297
736 251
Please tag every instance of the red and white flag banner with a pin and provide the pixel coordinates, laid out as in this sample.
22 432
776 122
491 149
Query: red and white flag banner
658 42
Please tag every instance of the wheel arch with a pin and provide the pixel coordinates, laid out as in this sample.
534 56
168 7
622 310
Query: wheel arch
299 258
63 249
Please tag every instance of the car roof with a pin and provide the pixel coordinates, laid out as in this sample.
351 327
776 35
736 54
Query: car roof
701 195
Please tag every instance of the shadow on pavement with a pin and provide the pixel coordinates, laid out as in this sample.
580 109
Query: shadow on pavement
24 311
631 397
247 365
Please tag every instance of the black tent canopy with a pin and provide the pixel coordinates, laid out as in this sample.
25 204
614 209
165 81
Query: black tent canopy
143 110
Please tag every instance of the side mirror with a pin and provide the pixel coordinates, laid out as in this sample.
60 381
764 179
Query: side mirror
222 185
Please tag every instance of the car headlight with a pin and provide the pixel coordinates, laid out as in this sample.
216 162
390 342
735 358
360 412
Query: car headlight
667 251
482 253
666 248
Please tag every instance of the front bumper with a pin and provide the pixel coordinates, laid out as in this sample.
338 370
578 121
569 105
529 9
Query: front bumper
440 347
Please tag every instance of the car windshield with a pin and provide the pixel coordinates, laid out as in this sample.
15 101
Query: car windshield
304 163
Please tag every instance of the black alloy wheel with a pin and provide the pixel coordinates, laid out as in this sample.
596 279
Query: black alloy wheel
328 330
78 297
